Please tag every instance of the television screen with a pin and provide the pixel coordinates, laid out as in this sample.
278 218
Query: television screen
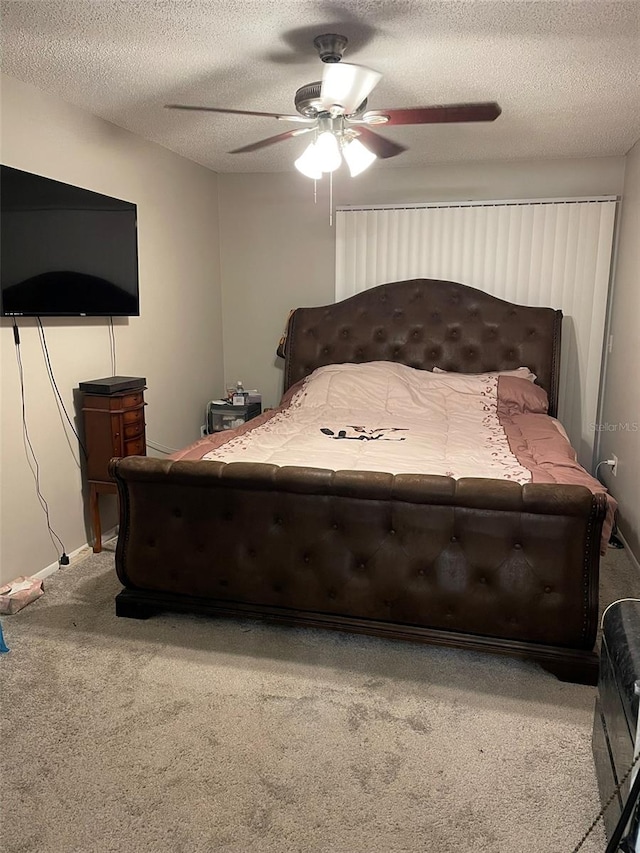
65 251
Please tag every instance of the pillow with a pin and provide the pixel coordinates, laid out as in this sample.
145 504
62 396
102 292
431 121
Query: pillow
518 373
516 396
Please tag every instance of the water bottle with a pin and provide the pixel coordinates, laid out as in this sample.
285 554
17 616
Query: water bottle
3 646
239 395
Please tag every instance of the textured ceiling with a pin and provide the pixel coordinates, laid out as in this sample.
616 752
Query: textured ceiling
567 74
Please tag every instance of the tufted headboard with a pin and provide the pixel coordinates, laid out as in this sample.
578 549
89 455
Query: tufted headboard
427 323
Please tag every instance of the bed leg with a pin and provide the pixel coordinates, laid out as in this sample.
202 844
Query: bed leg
129 606
584 671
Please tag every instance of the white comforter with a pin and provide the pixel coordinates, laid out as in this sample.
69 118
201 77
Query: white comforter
382 416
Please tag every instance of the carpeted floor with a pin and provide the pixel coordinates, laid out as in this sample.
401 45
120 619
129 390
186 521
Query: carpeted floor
189 734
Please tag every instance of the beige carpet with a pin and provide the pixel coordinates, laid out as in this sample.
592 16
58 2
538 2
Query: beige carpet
188 734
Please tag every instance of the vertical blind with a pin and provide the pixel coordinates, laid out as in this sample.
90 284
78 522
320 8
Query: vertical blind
552 253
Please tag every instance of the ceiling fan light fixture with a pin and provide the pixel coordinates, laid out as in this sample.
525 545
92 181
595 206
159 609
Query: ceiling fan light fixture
327 152
308 163
346 86
358 157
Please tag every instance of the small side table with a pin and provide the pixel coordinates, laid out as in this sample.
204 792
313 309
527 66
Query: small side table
224 416
113 426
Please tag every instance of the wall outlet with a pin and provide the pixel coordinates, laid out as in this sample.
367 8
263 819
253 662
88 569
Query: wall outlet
614 467
203 430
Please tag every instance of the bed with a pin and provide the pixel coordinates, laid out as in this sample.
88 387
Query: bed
477 562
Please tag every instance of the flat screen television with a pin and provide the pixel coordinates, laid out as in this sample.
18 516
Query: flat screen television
65 251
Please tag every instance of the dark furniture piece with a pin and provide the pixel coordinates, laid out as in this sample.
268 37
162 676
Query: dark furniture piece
616 713
223 417
113 426
482 564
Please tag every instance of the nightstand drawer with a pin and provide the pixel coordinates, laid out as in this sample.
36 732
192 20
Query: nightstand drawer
135 447
133 430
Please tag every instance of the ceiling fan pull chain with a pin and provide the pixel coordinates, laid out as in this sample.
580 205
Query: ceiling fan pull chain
315 190
330 199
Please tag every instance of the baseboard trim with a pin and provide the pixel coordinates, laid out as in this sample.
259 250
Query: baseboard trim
630 553
82 550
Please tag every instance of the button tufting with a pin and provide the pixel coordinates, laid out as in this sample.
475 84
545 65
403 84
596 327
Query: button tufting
362 564
277 587
482 580
277 520
392 531
335 526
223 582
252 553
177 513
547 589
307 558
332 593
151 543
421 571
454 538
517 546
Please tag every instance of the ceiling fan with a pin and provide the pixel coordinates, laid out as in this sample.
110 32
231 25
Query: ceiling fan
335 110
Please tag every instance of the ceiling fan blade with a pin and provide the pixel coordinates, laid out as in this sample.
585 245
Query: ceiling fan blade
262 143
346 86
279 116
439 114
379 145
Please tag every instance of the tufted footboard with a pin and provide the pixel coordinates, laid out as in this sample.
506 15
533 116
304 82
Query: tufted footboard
483 564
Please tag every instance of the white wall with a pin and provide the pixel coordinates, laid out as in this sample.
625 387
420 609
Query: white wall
620 422
176 343
278 250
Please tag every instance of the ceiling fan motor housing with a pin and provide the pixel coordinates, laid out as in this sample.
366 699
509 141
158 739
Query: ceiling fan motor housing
330 46
308 104
307 99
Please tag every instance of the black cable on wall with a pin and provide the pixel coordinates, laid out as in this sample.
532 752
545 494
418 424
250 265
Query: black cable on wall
54 385
32 459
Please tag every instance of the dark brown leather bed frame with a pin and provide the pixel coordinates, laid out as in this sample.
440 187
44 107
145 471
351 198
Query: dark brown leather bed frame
480 564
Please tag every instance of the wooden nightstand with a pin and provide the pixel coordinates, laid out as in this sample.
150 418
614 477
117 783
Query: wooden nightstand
113 426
